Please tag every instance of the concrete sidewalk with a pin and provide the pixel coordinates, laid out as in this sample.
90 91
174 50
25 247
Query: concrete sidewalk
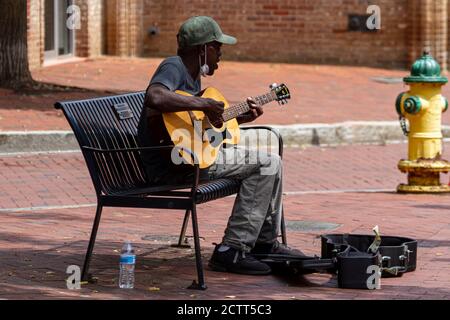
47 209
357 102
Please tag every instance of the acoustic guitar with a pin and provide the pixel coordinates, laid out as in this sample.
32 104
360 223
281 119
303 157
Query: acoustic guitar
197 140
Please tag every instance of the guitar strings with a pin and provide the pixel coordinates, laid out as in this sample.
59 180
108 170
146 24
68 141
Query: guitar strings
243 107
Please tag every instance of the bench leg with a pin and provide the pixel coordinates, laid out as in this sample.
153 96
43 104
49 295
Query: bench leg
87 259
200 285
283 228
182 241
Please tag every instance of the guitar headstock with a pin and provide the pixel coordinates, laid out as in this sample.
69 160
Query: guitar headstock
281 92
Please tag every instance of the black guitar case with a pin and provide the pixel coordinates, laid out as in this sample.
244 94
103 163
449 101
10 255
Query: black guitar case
395 256
349 256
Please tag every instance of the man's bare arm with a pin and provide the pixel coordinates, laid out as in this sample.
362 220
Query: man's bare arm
164 100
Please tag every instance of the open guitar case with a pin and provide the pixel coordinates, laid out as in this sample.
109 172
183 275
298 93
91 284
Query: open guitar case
349 257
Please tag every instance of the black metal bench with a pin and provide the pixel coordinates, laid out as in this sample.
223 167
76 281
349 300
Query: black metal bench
108 140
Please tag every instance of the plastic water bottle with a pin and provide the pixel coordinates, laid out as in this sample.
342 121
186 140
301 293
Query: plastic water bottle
127 262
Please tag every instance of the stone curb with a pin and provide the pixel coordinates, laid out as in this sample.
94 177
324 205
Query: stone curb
34 141
345 133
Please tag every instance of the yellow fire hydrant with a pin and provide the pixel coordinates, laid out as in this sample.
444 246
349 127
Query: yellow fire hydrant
423 106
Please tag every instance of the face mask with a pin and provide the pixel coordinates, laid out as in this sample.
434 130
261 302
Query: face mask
204 69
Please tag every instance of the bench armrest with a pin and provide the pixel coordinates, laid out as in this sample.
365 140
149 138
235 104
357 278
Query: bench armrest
272 130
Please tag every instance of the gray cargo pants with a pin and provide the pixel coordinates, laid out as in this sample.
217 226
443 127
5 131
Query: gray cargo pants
256 215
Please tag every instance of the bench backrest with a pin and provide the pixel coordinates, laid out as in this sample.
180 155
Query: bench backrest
109 123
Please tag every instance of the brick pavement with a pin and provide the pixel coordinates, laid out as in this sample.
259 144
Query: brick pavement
62 179
321 94
36 246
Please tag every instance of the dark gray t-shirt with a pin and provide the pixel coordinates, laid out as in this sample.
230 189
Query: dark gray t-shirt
173 74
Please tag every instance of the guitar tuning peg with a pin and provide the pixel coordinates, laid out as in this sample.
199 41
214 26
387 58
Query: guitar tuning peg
273 86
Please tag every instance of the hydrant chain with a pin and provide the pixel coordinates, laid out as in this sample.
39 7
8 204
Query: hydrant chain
404 126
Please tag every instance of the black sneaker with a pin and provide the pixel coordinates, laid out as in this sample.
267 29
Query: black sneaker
236 261
276 248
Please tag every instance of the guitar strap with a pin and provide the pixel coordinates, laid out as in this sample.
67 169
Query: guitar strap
193 117
197 124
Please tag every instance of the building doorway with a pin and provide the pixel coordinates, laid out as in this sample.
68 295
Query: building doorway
59 39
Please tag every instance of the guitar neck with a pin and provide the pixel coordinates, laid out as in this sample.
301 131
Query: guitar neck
243 107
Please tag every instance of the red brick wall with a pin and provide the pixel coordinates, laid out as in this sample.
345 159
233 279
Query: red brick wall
35 33
111 27
439 30
89 39
124 27
306 31
95 27
429 29
81 35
